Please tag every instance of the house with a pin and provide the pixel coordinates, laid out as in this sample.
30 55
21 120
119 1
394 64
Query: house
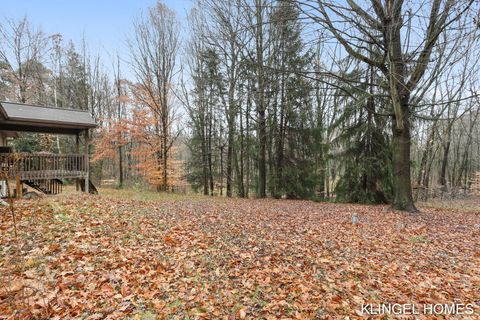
44 171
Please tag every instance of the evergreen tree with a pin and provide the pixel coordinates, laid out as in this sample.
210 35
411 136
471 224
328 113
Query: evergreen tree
365 145
290 135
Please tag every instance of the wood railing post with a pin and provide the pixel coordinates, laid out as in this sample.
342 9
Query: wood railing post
76 160
44 167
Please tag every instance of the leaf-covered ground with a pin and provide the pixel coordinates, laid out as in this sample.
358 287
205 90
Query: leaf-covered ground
97 257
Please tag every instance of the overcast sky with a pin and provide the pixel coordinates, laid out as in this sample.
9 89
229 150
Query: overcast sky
105 23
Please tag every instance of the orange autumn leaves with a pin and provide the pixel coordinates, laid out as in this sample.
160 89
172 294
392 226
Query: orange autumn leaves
183 257
145 145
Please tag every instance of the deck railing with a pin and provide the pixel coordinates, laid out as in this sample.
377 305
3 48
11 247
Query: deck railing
40 166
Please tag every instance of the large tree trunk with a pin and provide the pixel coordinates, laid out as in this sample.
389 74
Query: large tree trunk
402 191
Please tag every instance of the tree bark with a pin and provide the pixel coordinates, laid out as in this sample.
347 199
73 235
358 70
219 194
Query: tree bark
262 134
231 132
402 193
120 166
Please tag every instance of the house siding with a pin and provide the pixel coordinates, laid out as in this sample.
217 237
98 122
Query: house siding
3 140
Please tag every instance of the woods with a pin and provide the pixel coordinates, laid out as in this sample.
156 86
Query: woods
240 159
320 131
271 98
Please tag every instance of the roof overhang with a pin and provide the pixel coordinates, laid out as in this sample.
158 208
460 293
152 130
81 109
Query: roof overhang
31 118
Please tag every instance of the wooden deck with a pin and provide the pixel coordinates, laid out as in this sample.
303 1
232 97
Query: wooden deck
41 166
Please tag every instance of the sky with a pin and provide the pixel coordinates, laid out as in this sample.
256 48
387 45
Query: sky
104 23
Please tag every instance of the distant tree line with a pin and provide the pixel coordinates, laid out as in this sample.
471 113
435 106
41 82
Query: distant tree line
322 99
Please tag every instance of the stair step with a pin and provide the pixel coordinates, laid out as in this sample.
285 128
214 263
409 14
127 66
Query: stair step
46 187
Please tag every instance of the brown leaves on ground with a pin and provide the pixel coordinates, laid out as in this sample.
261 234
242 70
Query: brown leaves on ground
94 258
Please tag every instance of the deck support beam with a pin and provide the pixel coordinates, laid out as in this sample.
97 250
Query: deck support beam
87 164
18 186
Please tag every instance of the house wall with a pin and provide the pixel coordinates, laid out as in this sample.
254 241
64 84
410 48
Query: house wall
3 140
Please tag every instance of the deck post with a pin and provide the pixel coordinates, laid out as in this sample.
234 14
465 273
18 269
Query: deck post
87 164
77 148
18 184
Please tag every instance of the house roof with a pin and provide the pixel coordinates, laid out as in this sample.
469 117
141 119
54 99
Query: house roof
27 117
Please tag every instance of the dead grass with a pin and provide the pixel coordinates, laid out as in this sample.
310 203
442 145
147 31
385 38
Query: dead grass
140 194
468 204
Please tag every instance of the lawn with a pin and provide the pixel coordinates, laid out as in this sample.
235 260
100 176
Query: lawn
121 255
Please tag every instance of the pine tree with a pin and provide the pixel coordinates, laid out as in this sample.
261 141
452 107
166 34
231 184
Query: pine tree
291 159
366 151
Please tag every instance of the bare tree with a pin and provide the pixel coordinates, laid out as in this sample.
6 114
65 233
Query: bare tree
382 37
226 36
23 49
154 49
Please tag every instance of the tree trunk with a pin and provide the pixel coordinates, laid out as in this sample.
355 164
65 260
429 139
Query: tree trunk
465 158
120 166
402 192
210 149
423 162
240 167
231 133
247 143
221 171
442 180
262 170
281 132
262 134
204 163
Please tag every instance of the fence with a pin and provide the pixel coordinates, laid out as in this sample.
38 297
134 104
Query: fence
39 166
